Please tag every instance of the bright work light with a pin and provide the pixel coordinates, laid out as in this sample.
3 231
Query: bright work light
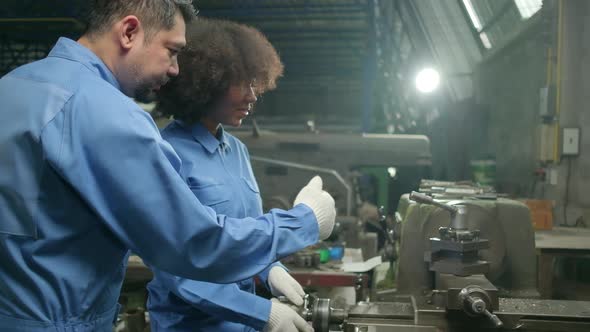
427 80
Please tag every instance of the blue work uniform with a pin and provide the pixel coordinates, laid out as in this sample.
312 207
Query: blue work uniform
85 176
218 171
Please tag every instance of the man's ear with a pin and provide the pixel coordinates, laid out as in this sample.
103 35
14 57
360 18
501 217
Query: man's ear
129 31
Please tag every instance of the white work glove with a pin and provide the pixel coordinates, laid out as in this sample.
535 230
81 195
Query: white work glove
284 319
321 203
282 284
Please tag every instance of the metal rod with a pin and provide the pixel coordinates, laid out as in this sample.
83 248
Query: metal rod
421 198
314 169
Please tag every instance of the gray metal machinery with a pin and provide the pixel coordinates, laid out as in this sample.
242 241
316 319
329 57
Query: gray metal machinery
283 162
491 237
463 265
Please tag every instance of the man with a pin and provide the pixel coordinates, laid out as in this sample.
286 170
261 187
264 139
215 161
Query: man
86 177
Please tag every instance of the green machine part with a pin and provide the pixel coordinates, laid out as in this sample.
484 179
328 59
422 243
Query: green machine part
382 177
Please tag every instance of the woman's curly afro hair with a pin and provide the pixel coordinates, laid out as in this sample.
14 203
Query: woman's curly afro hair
218 54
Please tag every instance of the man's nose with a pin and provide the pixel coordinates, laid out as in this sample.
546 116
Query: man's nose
174 69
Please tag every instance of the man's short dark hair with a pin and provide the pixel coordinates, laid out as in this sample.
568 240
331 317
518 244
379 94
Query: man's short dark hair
155 15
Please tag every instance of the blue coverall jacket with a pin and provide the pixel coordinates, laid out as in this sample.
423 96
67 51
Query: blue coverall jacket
218 171
84 177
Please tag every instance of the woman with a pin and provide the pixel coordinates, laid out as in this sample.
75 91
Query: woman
225 67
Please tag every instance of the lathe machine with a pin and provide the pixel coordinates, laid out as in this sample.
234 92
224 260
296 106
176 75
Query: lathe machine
462 265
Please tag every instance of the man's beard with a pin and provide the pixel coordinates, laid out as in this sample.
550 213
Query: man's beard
144 94
144 91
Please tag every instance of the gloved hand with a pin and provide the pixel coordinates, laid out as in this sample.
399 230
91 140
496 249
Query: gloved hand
321 203
284 319
281 283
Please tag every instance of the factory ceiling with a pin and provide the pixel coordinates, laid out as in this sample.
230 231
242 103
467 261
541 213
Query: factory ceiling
362 50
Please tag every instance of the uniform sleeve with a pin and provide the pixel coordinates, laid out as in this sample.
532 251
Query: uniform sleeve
264 274
226 302
123 170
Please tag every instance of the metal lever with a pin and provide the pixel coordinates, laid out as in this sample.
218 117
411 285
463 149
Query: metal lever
458 213
477 306
425 199
493 318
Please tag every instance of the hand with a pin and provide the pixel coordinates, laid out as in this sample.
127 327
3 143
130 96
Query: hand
321 203
281 283
284 319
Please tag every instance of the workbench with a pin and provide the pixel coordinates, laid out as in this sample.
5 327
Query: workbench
137 271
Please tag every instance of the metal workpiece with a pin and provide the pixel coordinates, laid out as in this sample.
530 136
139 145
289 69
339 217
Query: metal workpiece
324 315
319 312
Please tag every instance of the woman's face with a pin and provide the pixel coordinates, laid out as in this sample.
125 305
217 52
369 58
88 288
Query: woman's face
233 107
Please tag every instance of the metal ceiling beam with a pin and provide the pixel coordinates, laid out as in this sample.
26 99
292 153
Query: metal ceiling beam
318 57
506 7
336 64
284 89
276 3
335 44
305 51
261 12
333 37
317 72
473 30
336 31
262 20
323 58
330 62
332 83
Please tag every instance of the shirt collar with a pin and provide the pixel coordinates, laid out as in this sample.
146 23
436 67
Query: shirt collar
207 140
72 50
